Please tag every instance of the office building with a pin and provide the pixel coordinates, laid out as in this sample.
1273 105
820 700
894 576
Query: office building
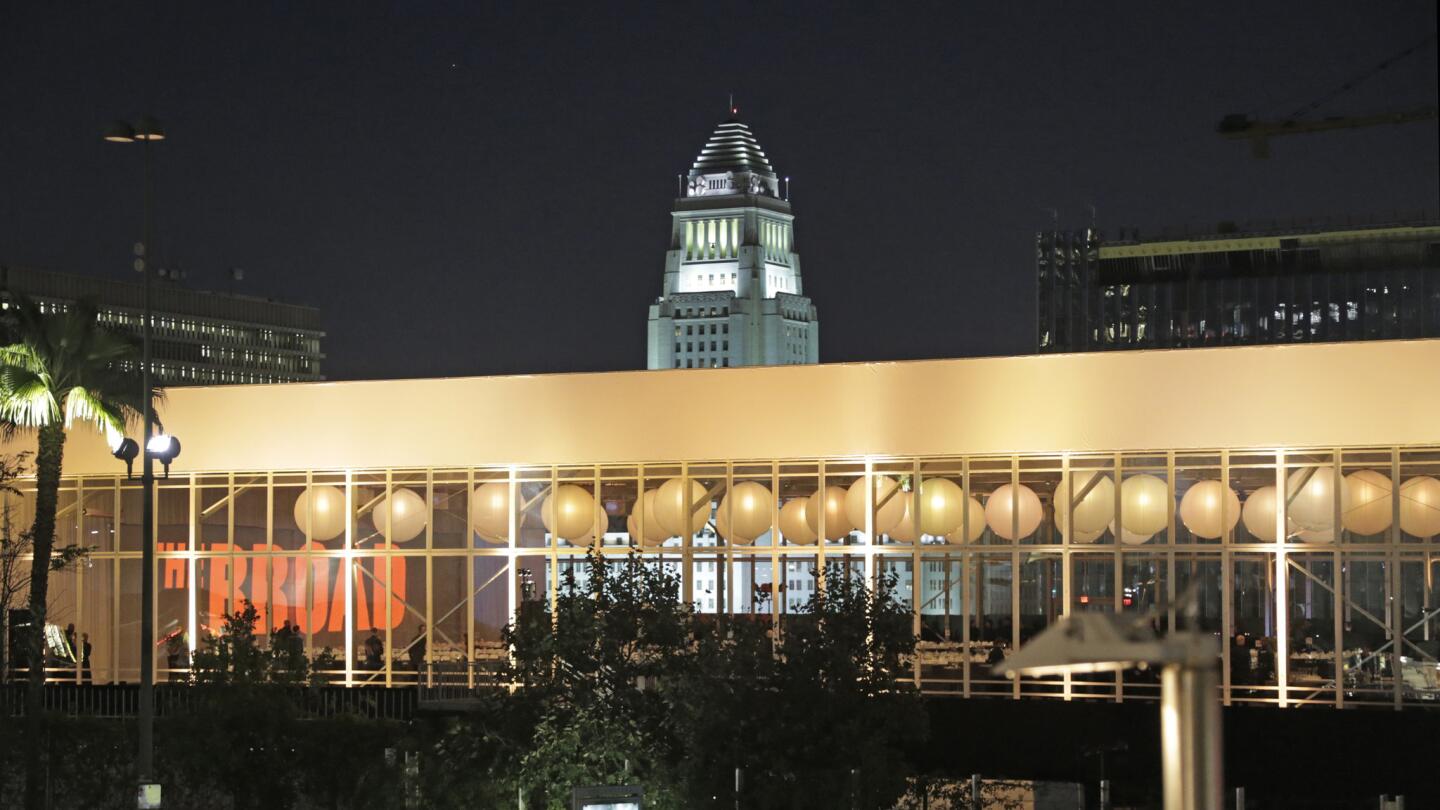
197 337
1292 493
732 293
1238 287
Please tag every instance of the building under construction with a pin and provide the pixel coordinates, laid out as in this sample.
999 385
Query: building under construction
1238 286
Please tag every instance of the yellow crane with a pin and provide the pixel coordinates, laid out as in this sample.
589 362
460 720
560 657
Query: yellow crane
1239 126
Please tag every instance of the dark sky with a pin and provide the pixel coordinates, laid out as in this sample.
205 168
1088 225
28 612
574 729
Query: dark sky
472 188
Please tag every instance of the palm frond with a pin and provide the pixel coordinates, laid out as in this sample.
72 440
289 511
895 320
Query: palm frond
26 399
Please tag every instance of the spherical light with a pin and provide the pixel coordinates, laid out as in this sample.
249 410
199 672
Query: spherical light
889 500
793 524
568 512
904 531
490 512
1420 506
320 513
975 524
1200 509
678 498
1094 511
1088 537
1371 507
406 515
830 500
1310 496
1307 536
1144 505
654 532
1259 514
722 526
746 510
942 505
1130 538
1000 511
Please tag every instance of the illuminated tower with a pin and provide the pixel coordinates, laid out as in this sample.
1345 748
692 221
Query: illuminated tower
732 294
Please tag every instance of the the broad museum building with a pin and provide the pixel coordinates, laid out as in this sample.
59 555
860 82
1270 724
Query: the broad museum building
1286 494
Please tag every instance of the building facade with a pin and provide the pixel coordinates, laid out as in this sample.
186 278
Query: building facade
996 510
1234 289
198 337
732 293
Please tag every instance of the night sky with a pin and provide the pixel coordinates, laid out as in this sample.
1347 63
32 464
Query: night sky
468 188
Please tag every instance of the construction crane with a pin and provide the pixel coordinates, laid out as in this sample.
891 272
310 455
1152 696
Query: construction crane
1239 126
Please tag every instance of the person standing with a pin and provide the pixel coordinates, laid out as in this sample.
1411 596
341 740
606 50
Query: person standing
374 652
417 651
85 658
72 650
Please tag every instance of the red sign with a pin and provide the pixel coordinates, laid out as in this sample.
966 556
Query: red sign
307 591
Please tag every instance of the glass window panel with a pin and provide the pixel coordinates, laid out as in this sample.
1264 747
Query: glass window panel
127 659
490 615
1253 612
98 516
450 647
98 621
1369 652
250 512
450 507
991 622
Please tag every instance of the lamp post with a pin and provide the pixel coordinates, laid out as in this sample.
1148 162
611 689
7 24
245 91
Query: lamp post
1192 772
146 132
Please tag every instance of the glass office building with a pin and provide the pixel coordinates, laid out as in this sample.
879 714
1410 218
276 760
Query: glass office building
199 337
1235 288
1287 494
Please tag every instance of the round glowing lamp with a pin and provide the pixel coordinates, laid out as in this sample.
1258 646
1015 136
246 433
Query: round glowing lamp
829 501
568 512
403 512
1259 514
942 506
320 513
1144 506
747 510
490 512
889 502
1202 507
1372 501
1092 502
793 524
1006 503
1310 497
1420 506
678 498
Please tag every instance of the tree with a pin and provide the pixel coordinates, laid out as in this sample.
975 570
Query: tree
60 367
15 547
623 682
819 716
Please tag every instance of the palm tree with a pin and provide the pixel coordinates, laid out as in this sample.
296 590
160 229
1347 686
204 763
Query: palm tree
60 367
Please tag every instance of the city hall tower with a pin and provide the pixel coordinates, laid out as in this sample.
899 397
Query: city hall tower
732 294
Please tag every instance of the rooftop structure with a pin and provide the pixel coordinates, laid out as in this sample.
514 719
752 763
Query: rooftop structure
1003 494
1238 287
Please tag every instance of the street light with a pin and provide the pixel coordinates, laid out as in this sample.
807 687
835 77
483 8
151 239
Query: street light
1191 768
145 131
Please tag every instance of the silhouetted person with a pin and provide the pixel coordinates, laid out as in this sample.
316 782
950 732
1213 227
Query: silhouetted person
1264 662
417 650
85 658
996 656
72 651
374 652
1239 661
